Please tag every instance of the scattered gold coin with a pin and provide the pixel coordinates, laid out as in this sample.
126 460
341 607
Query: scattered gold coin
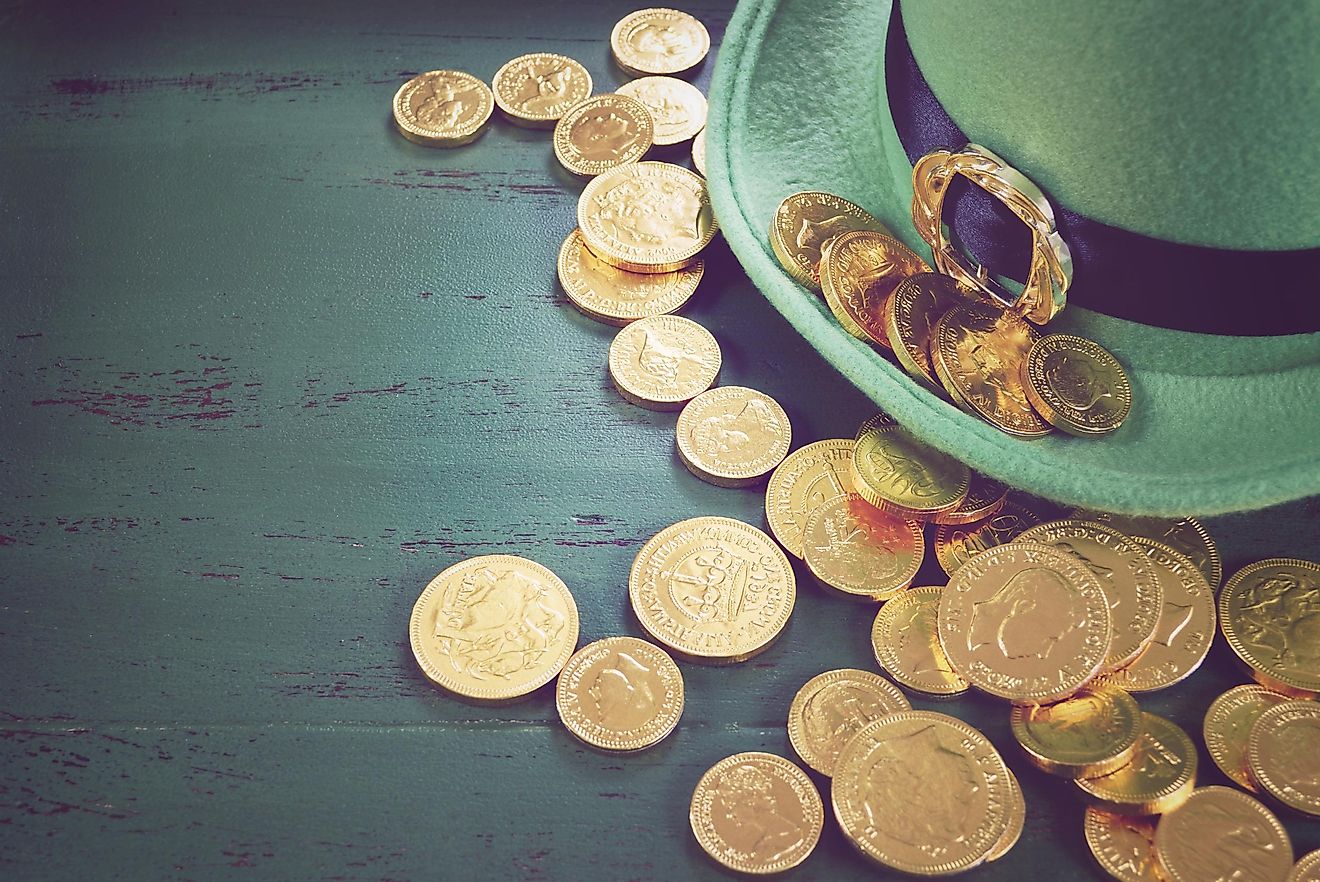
858 272
985 497
978 353
955 545
1221 833
1283 754
1017 820
732 436
699 153
617 297
907 645
601 133
853 547
1123 845
1185 629
620 694
537 89
712 589
659 41
677 107
922 793
1025 622
910 317
442 108
1184 535
807 478
832 707
1159 777
1077 385
1269 612
1228 725
664 361
493 628
1091 733
897 473
1307 869
804 222
1126 575
647 217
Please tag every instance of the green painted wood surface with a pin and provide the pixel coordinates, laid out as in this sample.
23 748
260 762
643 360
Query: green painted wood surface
267 368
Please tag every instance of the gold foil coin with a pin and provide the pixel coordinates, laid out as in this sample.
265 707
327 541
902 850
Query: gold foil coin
1077 385
1185 630
1307 868
1219 834
910 317
831 708
922 793
897 473
807 478
659 41
442 108
601 133
732 436
1017 820
805 222
906 644
1228 725
1269 612
955 545
1123 845
858 550
1025 622
1159 777
699 152
614 296
985 497
647 217
493 628
536 90
1184 535
712 589
663 361
1283 754
620 694
677 107
978 354
858 272
1090 733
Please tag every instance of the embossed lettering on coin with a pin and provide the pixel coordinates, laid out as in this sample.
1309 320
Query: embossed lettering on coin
442 108
620 693
858 272
906 645
805 222
677 107
663 361
1186 536
1077 385
855 548
955 545
834 706
647 217
732 435
1157 779
537 89
910 317
807 478
1123 846
617 297
601 133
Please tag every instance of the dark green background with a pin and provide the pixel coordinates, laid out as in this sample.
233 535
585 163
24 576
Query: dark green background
267 368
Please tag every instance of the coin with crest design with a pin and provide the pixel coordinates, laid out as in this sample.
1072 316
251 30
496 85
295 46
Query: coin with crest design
620 694
898 474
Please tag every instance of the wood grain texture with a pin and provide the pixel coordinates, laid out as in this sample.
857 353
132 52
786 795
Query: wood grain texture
266 368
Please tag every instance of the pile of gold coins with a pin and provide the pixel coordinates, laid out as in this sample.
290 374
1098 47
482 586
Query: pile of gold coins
1064 619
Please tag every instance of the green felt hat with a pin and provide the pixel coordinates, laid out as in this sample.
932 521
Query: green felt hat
1163 119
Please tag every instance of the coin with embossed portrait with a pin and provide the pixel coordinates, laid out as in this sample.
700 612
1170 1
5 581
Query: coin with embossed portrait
805 221
910 317
854 548
906 644
663 361
1187 536
677 107
1123 845
617 297
807 478
442 108
1228 725
1269 612
1159 777
1076 385
1222 833
732 436
859 270
1283 754
620 694
601 133
832 707
648 217
659 41
535 90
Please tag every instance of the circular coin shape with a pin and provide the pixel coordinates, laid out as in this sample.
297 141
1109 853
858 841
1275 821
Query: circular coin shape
699 152
881 420
831 708
858 272
910 317
955 545
620 694
1159 777
493 628
617 297
1269 612
1092 733
897 473
985 497
1077 385
659 41
807 478
1025 622
536 90
922 793
442 108
1283 754
805 222
601 133
1220 833
1123 845
1017 820
1184 535
712 589
732 436
1126 575
756 813
1228 725
906 644
1186 626
1307 868
677 107
664 361
853 547
978 353
647 217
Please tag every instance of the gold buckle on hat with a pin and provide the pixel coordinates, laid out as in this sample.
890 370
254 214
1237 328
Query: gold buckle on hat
1045 292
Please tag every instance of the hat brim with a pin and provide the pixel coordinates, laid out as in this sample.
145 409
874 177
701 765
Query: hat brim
1218 424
